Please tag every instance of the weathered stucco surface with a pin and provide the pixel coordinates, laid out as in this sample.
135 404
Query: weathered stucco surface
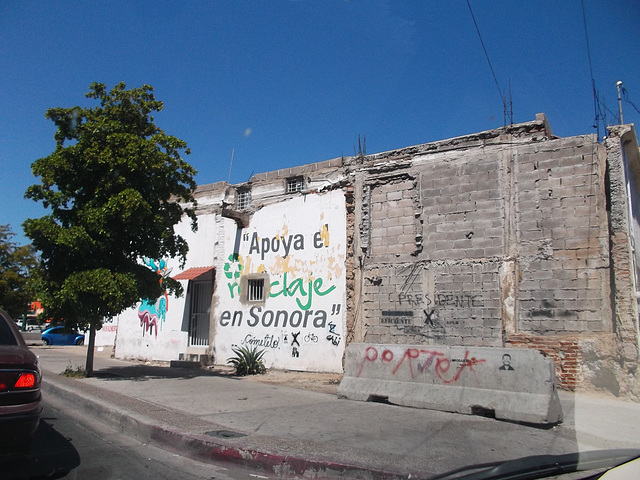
506 238
300 247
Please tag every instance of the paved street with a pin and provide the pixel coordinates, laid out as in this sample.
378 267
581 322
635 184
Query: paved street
71 445
193 412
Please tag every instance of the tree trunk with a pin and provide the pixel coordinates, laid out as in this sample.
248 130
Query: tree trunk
90 349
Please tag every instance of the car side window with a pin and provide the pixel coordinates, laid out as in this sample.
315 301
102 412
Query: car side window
6 335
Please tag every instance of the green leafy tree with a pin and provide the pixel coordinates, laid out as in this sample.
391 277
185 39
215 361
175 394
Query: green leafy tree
116 185
16 266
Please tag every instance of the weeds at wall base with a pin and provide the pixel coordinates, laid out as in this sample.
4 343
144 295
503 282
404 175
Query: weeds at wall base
79 372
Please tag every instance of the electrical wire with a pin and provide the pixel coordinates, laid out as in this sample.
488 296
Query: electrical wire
625 97
616 115
486 54
596 100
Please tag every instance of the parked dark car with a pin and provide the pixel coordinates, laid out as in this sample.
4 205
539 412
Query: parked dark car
20 377
61 335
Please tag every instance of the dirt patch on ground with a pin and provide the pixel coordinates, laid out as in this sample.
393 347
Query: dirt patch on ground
316 382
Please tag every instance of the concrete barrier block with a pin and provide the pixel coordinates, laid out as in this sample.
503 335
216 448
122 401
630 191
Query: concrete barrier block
513 384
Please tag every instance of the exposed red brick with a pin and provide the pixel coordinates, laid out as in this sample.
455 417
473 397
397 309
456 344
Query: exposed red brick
568 363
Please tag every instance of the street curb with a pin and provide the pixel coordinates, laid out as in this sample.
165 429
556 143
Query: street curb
92 400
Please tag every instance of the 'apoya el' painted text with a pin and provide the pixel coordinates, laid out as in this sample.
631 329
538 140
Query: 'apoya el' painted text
283 244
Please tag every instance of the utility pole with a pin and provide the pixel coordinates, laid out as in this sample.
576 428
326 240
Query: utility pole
619 85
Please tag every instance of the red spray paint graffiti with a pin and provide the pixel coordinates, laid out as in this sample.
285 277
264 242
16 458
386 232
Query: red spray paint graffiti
441 368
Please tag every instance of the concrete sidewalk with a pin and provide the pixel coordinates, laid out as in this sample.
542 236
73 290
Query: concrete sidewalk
281 430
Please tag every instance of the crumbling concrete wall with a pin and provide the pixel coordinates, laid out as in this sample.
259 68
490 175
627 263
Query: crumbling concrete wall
494 239
506 238
432 223
561 229
614 365
563 290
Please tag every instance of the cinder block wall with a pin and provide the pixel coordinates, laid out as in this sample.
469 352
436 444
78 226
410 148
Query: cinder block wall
562 237
494 239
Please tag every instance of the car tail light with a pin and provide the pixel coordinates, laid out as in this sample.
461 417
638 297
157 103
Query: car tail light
13 380
26 380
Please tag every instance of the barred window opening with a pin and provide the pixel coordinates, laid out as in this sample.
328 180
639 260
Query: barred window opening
255 289
244 199
295 184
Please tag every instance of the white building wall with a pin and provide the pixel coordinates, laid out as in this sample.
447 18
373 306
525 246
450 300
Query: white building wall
106 336
301 244
163 334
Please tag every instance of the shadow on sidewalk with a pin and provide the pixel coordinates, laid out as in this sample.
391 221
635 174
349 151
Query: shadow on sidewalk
149 372
314 381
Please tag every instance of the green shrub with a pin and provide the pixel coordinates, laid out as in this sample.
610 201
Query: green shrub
247 361
79 372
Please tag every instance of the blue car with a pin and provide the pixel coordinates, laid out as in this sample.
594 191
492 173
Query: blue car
62 336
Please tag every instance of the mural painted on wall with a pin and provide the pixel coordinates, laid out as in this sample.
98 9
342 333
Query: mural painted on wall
300 319
301 292
153 313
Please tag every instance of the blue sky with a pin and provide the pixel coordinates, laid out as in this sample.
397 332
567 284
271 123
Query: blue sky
288 82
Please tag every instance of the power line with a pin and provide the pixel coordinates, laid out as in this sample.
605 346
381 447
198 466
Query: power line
493 73
596 100
485 51
625 97
615 115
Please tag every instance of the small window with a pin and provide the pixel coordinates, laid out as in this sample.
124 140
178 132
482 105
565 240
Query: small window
295 184
255 287
244 199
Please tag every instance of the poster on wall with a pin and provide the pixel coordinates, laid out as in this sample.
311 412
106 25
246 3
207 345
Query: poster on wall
283 290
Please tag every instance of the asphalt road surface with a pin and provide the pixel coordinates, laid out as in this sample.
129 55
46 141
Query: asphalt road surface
70 445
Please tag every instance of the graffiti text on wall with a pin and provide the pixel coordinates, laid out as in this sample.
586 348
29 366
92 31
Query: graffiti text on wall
152 313
268 341
279 318
303 291
428 322
442 300
296 289
301 318
291 340
333 336
409 323
274 341
283 244
442 366
395 317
